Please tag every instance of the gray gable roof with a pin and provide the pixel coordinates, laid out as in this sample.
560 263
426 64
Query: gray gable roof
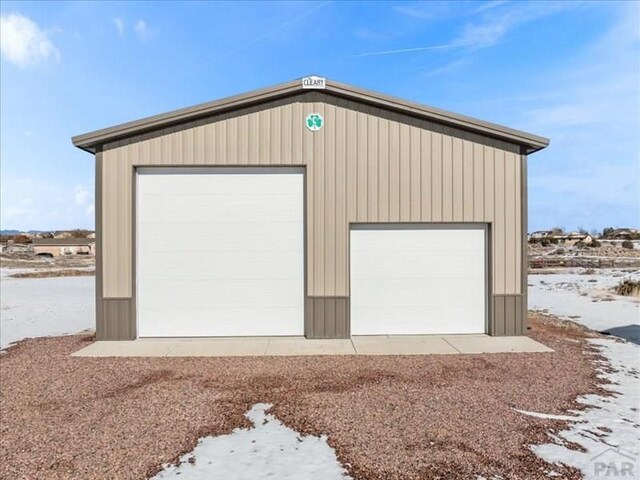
92 141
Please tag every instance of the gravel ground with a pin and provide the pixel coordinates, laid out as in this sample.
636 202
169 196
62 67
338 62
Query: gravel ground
387 417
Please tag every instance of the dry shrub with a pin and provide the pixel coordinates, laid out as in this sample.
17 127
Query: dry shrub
628 288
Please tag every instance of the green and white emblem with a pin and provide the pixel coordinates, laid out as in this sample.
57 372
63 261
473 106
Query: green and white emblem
314 122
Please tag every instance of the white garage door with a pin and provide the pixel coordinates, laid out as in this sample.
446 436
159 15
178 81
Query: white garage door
413 280
220 252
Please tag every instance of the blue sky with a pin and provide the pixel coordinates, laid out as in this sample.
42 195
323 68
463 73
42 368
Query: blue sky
568 71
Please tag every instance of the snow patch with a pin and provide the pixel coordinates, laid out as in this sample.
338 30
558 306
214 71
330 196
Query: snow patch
609 428
589 300
268 450
548 416
40 307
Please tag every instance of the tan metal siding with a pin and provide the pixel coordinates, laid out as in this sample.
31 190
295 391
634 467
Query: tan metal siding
327 317
365 165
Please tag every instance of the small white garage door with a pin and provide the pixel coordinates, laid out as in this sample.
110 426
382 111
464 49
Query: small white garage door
408 280
220 252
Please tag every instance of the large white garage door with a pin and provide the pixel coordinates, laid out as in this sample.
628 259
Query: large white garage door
413 280
220 252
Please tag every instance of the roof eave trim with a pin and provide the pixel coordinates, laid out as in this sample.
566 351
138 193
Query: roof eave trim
442 116
90 141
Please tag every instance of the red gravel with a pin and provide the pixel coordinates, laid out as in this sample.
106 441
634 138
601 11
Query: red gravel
408 417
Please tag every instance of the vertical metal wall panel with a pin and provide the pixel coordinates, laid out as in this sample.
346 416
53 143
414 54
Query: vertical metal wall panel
405 172
361 168
499 249
436 177
478 182
330 148
373 167
383 170
341 234
447 177
415 160
426 167
524 253
511 235
394 169
365 165
100 330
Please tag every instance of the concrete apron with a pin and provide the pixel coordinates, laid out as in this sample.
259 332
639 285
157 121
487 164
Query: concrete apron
288 346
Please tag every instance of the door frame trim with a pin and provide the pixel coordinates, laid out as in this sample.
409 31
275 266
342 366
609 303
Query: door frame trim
220 169
485 226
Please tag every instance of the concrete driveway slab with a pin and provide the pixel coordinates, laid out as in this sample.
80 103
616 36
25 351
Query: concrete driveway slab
304 346
283 346
125 348
487 344
218 347
401 345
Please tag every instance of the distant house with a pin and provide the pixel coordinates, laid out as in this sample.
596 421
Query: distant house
623 234
63 246
573 238
540 234
13 247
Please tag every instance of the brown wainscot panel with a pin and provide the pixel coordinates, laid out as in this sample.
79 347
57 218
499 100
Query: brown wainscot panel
327 317
509 315
116 319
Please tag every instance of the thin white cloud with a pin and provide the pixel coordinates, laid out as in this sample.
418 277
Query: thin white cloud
23 42
119 23
446 46
280 27
490 5
82 196
369 34
428 11
142 29
494 24
414 12
40 203
450 67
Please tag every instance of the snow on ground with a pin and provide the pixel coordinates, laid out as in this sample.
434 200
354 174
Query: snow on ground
268 450
609 428
37 307
589 300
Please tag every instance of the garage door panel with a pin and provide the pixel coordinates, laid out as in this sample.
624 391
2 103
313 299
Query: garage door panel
188 211
201 267
209 294
181 322
219 254
226 237
408 291
418 281
400 321
378 267
160 237
439 240
199 181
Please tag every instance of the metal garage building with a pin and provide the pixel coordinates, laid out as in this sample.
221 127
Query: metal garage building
310 208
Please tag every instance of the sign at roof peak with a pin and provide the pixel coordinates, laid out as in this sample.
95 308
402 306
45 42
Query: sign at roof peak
313 81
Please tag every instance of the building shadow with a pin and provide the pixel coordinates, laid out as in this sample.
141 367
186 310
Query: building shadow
630 333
